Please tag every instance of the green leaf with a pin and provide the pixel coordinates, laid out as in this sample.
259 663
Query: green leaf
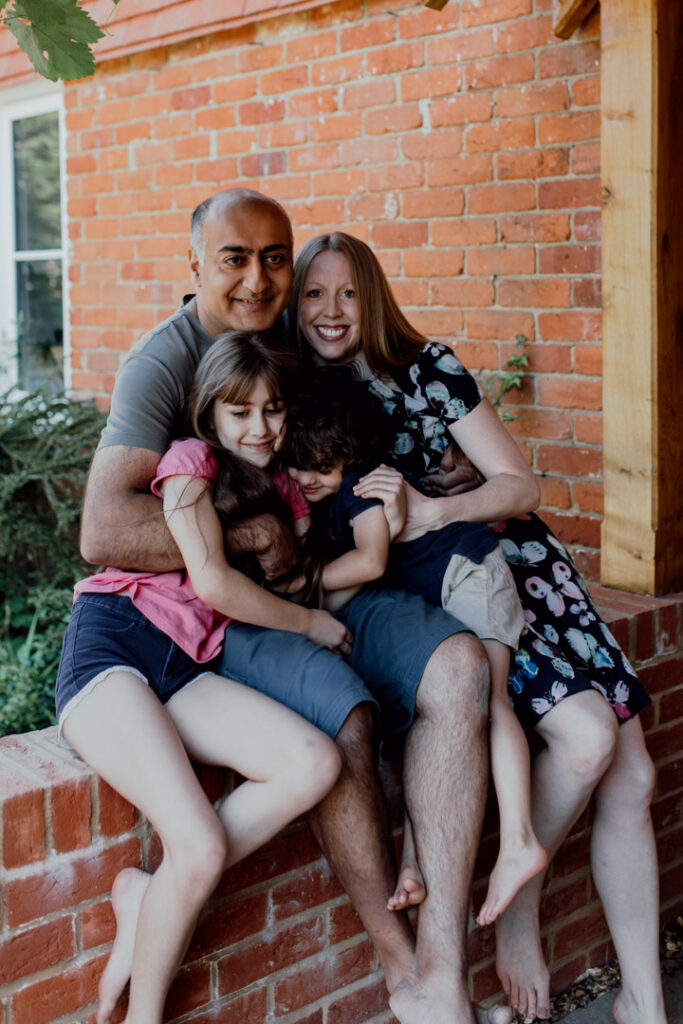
58 37
28 40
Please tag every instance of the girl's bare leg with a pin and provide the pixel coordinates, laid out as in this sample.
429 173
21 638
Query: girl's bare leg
521 856
410 888
124 733
128 890
290 765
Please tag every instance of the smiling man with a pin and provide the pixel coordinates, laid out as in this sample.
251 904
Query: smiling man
241 263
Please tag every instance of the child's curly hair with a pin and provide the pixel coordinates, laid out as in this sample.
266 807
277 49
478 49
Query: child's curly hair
334 422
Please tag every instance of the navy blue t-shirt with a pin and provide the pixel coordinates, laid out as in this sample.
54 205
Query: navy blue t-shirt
419 565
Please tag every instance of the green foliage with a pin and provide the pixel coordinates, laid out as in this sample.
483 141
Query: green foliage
56 35
46 443
496 385
30 646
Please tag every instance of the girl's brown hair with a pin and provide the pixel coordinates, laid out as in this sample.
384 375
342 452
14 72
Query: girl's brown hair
229 371
388 340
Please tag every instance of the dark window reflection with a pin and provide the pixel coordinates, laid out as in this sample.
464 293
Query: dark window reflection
36 183
39 321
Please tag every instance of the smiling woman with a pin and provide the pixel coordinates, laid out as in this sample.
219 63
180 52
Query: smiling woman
569 680
329 310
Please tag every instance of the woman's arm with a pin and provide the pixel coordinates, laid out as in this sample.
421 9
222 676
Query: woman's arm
366 561
196 529
509 486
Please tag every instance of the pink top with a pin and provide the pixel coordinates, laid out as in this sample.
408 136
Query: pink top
167 598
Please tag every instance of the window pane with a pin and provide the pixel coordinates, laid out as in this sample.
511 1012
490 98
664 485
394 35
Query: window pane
36 182
39 322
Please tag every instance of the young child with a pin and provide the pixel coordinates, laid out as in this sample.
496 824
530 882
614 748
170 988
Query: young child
334 435
136 687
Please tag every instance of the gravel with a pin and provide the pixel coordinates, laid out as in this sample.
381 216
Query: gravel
598 980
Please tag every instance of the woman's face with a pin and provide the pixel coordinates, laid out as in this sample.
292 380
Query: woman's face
329 314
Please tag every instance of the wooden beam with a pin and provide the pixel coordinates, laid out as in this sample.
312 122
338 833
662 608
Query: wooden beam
642 278
568 15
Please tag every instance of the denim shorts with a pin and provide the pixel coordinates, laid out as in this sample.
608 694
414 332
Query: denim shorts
395 634
107 633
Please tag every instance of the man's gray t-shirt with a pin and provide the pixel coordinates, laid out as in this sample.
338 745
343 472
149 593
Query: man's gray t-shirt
149 405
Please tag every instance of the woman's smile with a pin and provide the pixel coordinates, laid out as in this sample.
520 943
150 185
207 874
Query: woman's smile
329 312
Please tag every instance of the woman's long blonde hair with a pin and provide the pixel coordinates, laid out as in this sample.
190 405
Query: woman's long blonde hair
388 340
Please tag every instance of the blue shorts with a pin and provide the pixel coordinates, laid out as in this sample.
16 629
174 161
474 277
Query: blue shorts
395 634
106 633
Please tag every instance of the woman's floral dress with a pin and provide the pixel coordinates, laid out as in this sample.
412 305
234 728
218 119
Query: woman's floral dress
566 647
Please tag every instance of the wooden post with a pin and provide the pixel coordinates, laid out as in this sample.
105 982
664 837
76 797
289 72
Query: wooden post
642 277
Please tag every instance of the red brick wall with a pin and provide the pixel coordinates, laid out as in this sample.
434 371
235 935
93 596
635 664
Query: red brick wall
279 936
462 145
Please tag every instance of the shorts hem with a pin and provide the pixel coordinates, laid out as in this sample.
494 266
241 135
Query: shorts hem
190 682
87 689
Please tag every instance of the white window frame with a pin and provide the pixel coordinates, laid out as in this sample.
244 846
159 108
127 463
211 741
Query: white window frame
39 97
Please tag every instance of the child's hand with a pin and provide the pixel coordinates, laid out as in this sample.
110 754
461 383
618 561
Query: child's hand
388 485
328 632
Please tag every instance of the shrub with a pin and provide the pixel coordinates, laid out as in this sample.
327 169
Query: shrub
46 443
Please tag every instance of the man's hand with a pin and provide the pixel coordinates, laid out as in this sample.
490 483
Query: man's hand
266 537
455 475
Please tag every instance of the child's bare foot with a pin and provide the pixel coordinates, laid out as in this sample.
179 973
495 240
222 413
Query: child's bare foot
127 893
512 870
410 888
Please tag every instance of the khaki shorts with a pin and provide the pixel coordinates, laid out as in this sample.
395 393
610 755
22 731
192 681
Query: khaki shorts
484 597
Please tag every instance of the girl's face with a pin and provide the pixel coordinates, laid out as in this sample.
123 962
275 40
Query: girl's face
316 483
329 314
254 430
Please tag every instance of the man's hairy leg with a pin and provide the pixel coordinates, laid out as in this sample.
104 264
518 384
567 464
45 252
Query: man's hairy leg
352 827
445 783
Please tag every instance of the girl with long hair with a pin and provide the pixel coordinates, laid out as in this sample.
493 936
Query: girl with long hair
138 694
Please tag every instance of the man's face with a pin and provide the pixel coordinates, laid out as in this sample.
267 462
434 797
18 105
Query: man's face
244 280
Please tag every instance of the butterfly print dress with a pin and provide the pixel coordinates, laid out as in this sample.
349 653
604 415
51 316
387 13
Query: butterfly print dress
566 648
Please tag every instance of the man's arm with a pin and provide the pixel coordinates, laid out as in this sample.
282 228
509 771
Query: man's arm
123 523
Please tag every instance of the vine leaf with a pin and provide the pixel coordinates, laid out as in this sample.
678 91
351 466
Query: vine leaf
55 35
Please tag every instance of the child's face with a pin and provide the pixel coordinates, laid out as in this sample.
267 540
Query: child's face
252 431
317 484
